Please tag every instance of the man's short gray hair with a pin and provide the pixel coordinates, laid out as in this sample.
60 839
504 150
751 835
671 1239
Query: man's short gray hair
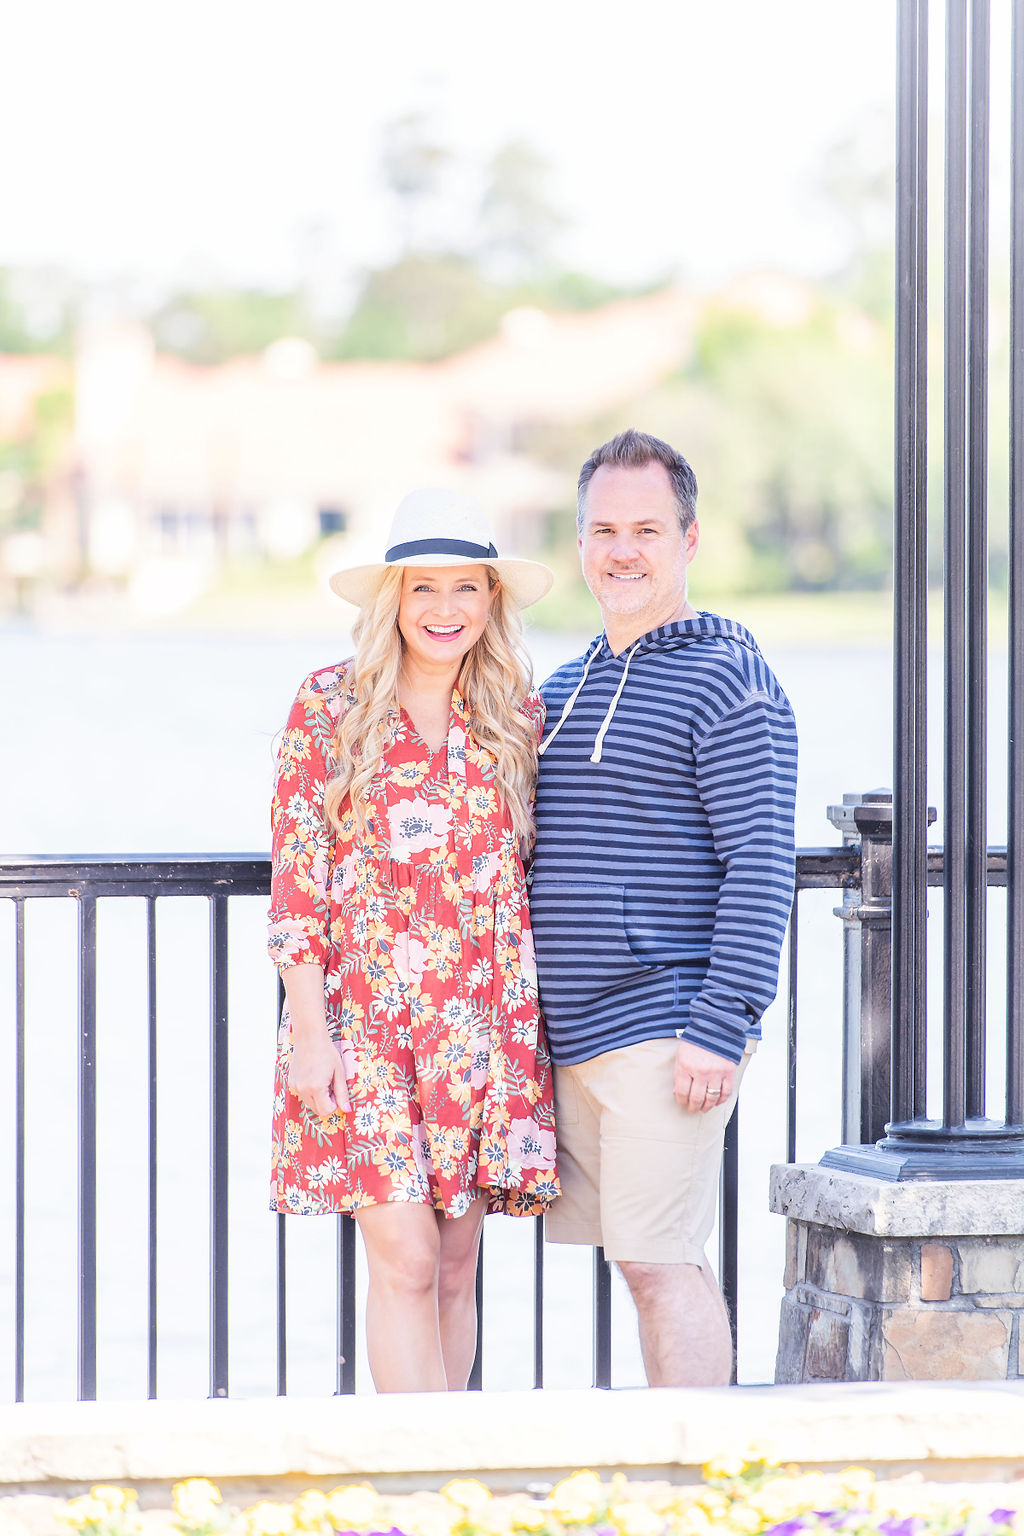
632 450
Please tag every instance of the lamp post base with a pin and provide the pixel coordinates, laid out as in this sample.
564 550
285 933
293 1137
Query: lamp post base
927 1149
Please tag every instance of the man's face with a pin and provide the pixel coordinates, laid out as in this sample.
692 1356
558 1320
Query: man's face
633 551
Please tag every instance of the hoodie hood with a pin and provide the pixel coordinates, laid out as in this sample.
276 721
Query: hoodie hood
667 637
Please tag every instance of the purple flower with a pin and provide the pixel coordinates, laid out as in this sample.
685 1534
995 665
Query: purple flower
786 1528
1001 1516
908 1527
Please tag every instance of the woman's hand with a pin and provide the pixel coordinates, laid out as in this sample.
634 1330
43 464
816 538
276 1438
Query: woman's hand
317 1075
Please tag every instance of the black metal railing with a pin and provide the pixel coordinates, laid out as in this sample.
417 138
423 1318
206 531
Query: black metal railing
90 881
860 869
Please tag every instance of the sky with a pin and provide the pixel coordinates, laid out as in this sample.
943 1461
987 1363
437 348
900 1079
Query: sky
239 139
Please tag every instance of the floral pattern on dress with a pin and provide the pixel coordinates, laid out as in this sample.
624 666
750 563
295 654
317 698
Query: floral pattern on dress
423 931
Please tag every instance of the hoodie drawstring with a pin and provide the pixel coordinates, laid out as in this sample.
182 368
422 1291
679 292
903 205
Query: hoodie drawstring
595 756
567 706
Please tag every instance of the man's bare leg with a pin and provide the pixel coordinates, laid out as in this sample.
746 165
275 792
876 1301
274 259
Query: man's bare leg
684 1326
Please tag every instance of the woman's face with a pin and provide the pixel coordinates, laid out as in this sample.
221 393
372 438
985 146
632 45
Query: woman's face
442 612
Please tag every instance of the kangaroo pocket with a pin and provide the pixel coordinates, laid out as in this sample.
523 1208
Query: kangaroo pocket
582 944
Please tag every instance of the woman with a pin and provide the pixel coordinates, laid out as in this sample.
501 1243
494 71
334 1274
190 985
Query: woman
413 1086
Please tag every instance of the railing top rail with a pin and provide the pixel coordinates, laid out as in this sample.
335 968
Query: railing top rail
148 874
830 867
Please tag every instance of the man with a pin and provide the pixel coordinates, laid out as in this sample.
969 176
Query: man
662 884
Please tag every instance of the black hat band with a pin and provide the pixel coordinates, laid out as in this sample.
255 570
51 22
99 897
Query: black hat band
441 547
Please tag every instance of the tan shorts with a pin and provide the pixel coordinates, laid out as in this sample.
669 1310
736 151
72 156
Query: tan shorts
639 1174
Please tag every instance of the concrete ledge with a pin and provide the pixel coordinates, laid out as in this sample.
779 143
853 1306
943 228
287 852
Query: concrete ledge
855 1203
949 1431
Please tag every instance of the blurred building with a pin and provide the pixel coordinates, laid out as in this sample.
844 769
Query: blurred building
178 468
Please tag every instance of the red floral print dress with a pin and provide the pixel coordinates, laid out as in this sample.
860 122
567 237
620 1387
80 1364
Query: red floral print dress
423 931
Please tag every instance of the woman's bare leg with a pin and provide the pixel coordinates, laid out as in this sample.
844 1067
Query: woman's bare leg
456 1291
403 1336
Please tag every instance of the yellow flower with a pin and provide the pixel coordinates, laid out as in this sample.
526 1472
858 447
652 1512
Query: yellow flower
269 1519
760 1451
530 1517
711 1502
433 1522
578 1498
694 1522
195 1501
635 1519
83 1511
856 1482
114 1498
466 1492
352 1507
310 1510
745 1520
722 1467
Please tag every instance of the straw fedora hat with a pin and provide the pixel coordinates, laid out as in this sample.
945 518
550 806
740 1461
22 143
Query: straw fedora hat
434 527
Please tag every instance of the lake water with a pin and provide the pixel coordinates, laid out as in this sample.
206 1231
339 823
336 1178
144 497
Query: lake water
148 743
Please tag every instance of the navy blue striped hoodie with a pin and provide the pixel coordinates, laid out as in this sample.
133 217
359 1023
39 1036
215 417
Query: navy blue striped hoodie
663 872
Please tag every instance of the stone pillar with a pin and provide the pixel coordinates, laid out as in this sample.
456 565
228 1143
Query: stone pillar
889 1281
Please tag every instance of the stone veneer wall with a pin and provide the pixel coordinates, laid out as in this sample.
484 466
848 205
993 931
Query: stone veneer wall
895 1282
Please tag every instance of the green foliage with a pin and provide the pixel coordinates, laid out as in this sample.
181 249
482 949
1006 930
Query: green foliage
422 308
798 418
26 463
208 326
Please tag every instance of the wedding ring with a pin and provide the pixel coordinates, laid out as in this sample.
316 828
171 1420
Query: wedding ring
713 1093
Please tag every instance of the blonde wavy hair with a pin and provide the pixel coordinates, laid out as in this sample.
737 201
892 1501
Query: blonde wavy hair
495 679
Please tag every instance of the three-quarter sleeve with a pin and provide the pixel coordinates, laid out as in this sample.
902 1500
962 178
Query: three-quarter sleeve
301 838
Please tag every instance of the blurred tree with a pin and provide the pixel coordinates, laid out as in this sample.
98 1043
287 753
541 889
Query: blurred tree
799 432
518 222
413 165
38 309
27 463
424 307
856 183
434 301
207 326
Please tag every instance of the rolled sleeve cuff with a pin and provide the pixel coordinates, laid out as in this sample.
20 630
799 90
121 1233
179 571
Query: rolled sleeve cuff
289 945
715 1030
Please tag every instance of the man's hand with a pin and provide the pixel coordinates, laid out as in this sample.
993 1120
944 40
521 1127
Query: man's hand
703 1080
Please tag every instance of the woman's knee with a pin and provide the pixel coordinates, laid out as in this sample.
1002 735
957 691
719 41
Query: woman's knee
403 1257
456 1275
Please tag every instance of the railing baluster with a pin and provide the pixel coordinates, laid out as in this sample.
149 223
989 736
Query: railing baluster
910 567
87 1148
346 1296
476 1374
791 1042
728 1225
281 1274
19 1150
151 1317
538 1302
218 1146
977 562
1015 750
955 444
602 1320
281 1283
